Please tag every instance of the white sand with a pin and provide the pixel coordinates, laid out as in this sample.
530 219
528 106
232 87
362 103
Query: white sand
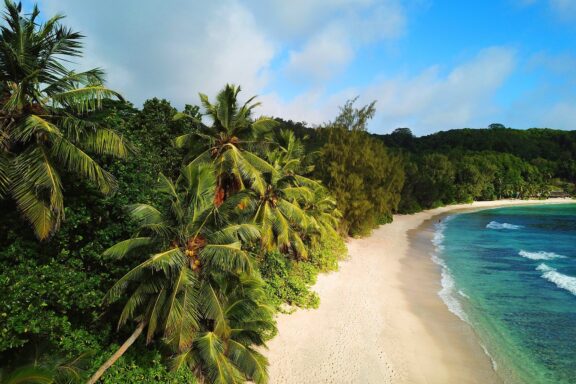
380 319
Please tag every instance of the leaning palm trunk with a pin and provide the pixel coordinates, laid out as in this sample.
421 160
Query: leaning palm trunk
96 376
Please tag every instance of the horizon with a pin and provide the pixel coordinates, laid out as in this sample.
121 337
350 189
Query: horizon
430 65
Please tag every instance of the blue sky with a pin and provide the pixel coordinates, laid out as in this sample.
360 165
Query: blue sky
430 65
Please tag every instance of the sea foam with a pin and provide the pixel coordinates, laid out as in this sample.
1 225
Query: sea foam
497 225
562 281
541 255
448 291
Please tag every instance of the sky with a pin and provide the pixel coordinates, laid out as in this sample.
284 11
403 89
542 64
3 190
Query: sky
430 65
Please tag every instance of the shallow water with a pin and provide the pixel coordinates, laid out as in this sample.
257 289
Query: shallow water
511 273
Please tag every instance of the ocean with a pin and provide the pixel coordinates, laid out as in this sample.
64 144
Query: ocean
511 274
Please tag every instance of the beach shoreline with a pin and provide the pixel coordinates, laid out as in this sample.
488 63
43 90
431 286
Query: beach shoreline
381 319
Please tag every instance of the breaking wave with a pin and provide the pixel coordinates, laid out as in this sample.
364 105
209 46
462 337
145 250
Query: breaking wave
497 225
540 255
448 291
562 281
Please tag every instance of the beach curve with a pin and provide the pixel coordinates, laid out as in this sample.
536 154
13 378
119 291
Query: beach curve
380 319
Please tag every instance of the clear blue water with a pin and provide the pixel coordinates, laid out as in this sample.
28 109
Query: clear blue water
511 273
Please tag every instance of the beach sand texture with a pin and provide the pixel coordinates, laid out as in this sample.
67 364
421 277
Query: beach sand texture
380 318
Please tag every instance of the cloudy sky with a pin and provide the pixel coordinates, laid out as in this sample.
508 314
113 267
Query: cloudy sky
430 64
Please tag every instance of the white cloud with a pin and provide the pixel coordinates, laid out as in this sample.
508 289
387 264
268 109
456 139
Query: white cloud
299 19
171 49
178 48
175 49
323 56
333 42
427 102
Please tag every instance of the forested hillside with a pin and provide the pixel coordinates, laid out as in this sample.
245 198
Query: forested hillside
455 166
485 164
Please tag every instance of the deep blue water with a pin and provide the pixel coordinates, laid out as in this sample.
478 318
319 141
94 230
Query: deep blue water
511 273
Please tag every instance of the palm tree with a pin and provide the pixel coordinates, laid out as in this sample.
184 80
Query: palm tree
233 319
194 247
294 211
278 209
323 215
46 117
227 141
289 154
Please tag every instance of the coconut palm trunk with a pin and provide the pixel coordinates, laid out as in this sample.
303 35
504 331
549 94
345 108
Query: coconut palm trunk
96 376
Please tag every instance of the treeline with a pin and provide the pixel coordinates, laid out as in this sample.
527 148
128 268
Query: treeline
374 176
484 164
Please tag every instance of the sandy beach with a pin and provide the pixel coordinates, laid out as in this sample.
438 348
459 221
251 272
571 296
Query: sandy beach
380 318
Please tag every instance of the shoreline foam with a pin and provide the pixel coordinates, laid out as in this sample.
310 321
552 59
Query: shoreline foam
380 318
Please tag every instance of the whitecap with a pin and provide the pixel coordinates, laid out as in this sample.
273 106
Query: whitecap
497 225
562 281
448 291
541 255
448 297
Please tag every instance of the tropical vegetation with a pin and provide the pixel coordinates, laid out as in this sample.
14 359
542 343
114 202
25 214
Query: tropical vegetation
155 245
48 118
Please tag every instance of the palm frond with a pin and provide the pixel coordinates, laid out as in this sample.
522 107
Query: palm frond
263 126
247 233
226 257
122 248
165 185
182 310
145 214
214 309
137 300
217 367
37 190
107 142
186 359
33 125
249 361
183 141
85 99
155 314
77 161
298 193
167 261
4 175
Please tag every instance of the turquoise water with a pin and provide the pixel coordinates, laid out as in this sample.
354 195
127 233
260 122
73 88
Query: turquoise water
511 273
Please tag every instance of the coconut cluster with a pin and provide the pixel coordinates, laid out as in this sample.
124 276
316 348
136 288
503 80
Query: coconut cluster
193 247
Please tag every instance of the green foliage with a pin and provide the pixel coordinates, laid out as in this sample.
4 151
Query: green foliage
487 164
61 283
50 125
364 178
140 365
290 281
196 287
226 143
436 179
